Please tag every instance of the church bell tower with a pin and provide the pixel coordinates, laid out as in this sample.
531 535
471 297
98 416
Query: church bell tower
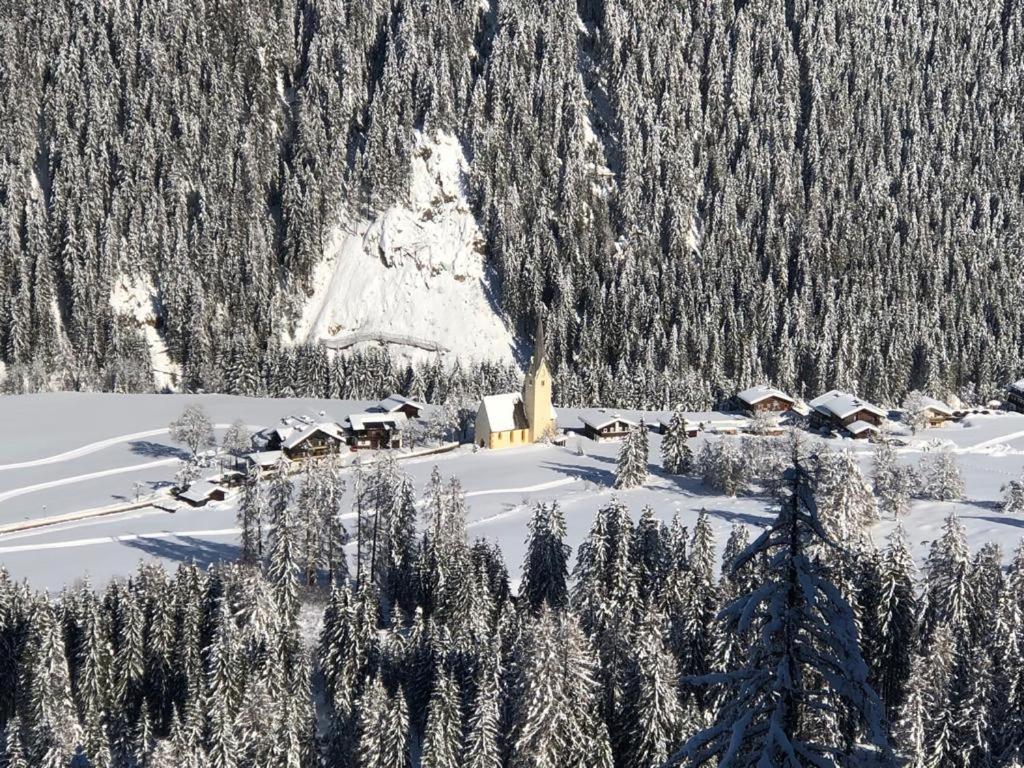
537 390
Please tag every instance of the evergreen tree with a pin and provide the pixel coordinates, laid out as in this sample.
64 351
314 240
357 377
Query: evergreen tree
676 455
545 566
631 469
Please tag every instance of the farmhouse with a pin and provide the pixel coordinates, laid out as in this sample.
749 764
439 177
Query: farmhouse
375 430
601 427
764 399
842 411
509 419
400 403
303 437
1015 396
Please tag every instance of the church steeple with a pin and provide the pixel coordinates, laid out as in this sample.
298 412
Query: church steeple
537 388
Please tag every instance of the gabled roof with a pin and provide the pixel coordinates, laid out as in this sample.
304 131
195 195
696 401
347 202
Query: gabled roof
1018 386
755 395
859 427
931 404
393 402
360 421
299 436
599 421
201 490
267 458
504 412
842 404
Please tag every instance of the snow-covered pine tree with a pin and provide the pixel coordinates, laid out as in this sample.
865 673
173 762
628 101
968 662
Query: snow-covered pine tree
482 748
250 517
947 595
846 506
804 659
1013 498
631 467
894 483
897 621
442 741
942 478
545 565
676 454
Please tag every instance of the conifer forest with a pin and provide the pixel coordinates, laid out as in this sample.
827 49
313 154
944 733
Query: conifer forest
789 650
820 194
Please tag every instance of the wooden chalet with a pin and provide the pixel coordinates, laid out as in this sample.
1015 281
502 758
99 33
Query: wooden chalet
303 437
938 412
603 427
661 426
1015 396
375 431
400 404
843 412
764 399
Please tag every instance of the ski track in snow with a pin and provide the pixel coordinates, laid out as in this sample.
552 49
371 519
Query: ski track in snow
525 489
99 445
994 441
88 476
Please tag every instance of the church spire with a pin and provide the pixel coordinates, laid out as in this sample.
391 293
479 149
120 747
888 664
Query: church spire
540 347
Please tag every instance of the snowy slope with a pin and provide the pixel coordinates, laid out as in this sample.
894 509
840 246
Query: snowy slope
138 299
414 277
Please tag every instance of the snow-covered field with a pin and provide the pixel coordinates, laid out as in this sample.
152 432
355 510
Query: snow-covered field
67 452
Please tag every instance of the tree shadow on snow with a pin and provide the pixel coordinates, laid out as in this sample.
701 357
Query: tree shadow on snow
1015 522
594 475
157 450
748 518
187 549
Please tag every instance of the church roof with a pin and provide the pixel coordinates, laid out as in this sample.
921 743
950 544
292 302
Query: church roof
504 412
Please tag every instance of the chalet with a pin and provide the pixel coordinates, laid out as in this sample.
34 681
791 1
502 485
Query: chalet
602 427
267 461
938 412
764 399
400 403
375 430
1015 396
519 418
841 411
302 437
199 493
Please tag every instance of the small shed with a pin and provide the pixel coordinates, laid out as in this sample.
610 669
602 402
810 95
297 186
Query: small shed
602 427
199 493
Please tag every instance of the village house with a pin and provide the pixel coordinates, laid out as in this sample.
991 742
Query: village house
764 399
937 411
375 431
842 411
514 418
601 427
303 437
1015 396
399 403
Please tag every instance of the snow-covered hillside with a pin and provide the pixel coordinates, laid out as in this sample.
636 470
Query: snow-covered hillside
414 277
138 299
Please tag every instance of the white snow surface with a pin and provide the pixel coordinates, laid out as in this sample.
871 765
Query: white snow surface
415 273
68 452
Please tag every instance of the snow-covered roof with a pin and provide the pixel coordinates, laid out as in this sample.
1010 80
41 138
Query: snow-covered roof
755 395
267 458
842 404
859 427
930 403
393 402
1018 386
504 412
601 420
201 490
360 421
299 436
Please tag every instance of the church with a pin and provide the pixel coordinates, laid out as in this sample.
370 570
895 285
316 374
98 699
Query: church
504 421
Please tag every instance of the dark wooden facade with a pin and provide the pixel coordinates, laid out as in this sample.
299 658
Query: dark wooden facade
315 445
1015 397
375 437
613 430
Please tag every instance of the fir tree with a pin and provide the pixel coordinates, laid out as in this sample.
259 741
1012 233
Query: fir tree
545 566
676 455
631 469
